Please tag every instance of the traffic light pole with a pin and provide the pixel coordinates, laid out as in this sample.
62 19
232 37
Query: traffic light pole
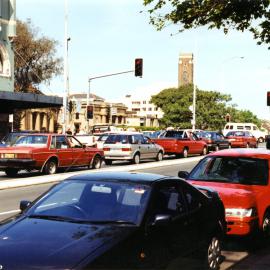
88 93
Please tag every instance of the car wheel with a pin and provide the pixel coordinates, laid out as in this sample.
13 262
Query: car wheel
266 225
136 159
11 172
217 148
260 140
96 164
108 161
213 254
50 167
185 153
204 151
159 156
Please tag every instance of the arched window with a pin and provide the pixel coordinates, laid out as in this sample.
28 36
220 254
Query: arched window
5 69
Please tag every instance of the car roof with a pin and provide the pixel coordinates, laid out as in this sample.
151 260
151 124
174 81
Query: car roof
243 152
140 178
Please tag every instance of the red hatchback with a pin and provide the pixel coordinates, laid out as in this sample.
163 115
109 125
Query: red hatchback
241 139
241 177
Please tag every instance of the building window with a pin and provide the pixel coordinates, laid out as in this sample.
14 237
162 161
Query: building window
149 109
144 109
5 69
144 102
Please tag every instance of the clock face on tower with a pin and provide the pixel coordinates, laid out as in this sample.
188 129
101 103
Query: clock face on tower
185 76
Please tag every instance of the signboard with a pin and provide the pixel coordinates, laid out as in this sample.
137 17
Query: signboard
10 118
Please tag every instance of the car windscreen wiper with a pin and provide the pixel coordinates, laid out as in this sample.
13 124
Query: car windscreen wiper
52 217
109 222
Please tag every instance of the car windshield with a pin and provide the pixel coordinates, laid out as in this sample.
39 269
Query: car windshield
32 140
85 201
238 170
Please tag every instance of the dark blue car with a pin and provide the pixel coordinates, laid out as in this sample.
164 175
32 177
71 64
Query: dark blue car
114 220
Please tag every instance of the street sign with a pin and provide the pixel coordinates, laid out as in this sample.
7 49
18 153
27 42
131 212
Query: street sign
10 118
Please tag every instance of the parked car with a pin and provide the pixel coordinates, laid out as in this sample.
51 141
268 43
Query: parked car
181 143
252 128
132 146
215 140
88 140
241 139
241 177
114 221
46 153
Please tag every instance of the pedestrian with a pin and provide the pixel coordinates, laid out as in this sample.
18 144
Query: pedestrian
69 132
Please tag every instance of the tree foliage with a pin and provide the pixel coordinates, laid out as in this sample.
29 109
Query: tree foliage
251 15
35 60
211 108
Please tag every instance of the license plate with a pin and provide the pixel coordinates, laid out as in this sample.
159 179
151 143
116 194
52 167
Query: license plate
9 155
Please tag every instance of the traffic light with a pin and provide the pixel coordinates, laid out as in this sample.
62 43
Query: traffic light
138 67
90 109
268 98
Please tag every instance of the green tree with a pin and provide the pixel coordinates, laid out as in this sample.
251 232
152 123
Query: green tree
35 60
251 15
175 102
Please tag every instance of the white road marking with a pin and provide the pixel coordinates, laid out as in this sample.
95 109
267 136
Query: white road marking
9 212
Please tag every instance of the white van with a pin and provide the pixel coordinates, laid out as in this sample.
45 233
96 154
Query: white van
256 132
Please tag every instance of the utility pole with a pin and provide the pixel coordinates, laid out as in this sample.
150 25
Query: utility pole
66 76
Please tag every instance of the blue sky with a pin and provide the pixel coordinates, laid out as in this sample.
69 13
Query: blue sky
107 35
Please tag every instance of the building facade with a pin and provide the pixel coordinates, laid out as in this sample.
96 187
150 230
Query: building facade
141 112
185 69
104 112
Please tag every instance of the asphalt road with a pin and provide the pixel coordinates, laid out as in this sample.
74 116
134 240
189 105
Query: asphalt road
238 253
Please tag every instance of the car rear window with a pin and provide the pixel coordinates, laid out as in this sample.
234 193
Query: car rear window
239 170
117 138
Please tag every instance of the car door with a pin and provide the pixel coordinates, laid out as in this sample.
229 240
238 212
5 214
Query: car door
80 155
166 241
196 145
60 145
150 148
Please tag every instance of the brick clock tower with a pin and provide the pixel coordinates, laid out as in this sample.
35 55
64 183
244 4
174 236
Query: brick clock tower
185 69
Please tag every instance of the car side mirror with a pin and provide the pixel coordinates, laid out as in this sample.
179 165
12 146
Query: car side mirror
24 204
161 220
183 174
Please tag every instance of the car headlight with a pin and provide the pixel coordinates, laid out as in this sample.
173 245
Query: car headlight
241 212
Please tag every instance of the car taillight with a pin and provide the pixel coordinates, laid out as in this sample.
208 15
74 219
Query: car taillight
106 149
126 149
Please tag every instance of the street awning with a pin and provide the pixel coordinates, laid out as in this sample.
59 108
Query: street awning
11 100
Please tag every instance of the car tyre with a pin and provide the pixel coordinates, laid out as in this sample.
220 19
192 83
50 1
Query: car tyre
266 225
50 167
260 140
136 159
108 161
213 259
11 172
159 156
204 151
185 153
97 162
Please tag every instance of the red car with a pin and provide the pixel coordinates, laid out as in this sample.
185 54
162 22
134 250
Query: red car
46 153
241 139
241 177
